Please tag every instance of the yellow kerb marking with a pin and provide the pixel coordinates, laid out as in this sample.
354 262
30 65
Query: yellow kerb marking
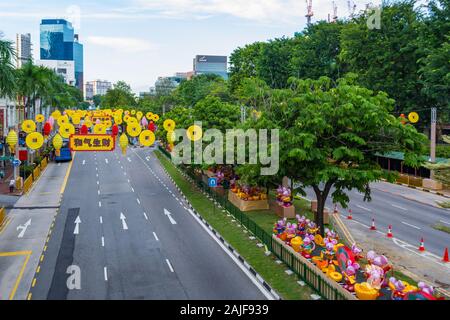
19 278
63 187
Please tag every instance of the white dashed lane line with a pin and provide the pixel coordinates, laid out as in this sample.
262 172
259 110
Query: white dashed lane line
170 266
105 273
156 238
145 216
411 225
103 241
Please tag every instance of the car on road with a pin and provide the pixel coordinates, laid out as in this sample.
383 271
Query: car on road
65 152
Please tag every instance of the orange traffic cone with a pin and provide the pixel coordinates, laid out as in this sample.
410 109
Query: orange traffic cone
373 225
422 247
349 217
389 234
446 255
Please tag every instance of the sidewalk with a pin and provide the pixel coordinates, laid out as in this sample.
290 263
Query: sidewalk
22 241
4 183
412 194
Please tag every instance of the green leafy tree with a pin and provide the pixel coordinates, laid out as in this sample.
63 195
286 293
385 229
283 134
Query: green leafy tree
118 97
7 72
243 63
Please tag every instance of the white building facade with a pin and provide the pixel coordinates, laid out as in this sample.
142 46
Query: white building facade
64 68
23 49
96 87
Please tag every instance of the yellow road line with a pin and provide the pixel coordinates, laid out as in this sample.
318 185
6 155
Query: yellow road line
5 224
38 269
33 283
63 187
22 270
29 296
14 253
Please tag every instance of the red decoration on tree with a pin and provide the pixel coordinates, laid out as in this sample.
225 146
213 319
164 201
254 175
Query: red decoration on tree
151 126
84 129
47 128
115 129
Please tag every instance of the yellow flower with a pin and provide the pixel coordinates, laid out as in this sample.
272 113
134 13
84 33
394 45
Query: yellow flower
169 125
40 118
149 115
194 133
34 140
147 138
63 120
155 118
28 126
133 129
66 130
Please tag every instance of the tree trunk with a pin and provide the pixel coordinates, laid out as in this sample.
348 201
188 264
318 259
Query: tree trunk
319 215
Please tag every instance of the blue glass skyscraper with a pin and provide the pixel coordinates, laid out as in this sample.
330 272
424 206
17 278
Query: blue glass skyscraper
59 42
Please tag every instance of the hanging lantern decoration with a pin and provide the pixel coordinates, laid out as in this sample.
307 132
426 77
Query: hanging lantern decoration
40 118
115 130
28 126
151 126
147 138
84 129
57 143
139 115
123 142
170 136
11 140
47 129
66 130
169 125
194 133
133 129
34 140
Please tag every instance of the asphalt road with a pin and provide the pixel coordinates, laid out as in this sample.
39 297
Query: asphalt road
134 238
410 220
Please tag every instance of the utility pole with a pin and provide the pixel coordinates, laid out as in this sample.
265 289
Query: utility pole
433 138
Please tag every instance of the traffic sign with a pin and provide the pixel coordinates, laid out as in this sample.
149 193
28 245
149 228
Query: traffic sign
212 182
16 162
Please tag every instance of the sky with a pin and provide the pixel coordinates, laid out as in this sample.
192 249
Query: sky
139 40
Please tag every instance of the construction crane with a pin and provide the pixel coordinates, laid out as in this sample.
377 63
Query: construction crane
351 8
334 17
309 12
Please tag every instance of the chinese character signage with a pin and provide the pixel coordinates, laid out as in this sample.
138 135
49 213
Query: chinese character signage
92 142
101 118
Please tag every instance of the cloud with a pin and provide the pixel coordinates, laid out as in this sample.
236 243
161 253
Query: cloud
128 45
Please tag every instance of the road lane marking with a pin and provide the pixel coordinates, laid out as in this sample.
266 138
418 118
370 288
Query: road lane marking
145 215
33 283
156 237
105 273
63 187
101 220
170 266
98 191
132 189
106 160
99 203
98 182
411 225
24 228
138 201
22 270
77 225
84 162
169 215
444 222
124 224
398 207
128 158
364 208
103 241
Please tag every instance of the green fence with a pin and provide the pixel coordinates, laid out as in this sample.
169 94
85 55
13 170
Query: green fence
309 274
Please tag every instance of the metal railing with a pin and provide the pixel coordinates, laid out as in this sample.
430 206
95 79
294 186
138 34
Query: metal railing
305 270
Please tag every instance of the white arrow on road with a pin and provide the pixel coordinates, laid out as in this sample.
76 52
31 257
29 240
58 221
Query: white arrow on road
24 228
106 160
84 162
77 223
124 224
169 215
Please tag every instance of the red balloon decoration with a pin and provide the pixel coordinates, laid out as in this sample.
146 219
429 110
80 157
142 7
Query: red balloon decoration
47 128
151 126
115 129
84 129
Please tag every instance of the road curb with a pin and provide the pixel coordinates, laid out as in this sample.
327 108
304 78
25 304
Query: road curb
242 261
419 188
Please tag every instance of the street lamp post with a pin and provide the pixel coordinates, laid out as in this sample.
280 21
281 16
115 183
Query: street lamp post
433 139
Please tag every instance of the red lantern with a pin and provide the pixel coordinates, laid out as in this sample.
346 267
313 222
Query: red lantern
151 126
115 129
84 129
47 128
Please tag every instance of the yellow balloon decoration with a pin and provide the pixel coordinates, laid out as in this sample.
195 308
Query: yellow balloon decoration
34 140
194 133
133 129
123 142
147 138
28 126
66 129
57 143
171 136
40 118
11 140
63 120
169 125
99 129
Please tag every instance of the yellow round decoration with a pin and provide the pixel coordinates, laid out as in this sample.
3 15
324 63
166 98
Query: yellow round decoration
88 123
56 114
57 141
66 129
194 133
147 138
34 140
133 112
133 129
413 117
40 118
169 125
132 120
170 136
155 118
63 120
28 126
99 129
149 115
76 119
126 118
107 124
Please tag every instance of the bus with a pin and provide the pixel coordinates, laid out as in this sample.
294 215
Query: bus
65 152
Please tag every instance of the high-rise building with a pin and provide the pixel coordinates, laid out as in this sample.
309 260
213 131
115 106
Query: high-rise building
59 42
63 68
211 65
96 87
23 49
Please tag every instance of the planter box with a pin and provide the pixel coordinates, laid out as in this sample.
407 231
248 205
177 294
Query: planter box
432 184
281 211
326 214
219 190
247 205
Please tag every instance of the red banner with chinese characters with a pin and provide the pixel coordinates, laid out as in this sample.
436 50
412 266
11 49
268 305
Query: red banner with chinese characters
92 142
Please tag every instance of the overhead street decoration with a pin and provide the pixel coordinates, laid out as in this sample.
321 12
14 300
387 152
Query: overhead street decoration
92 142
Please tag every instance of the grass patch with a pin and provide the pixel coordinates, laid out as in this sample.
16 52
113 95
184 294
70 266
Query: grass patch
442 228
444 204
274 274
